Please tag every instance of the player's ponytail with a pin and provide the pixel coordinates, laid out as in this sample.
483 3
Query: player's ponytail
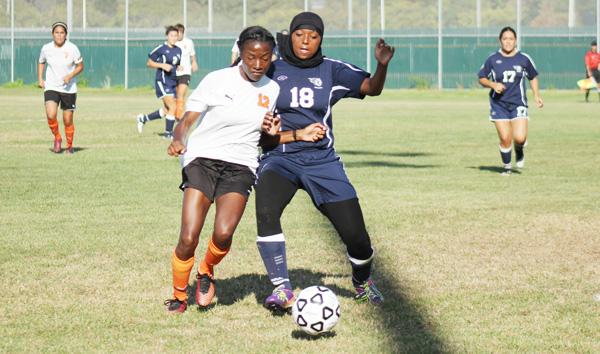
255 33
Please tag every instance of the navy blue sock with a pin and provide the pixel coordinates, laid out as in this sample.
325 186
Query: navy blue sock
154 115
272 252
169 124
505 153
519 154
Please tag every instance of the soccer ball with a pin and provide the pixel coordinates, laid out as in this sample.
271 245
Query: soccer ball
316 310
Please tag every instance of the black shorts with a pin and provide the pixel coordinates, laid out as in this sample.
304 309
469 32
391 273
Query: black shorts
215 177
596 75
184 79
66 100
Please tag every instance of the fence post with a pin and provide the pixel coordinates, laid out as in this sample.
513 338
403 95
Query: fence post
440 43
126 44
12 40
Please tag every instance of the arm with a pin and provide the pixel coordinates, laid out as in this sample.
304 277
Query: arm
535 87
154 65
271 135
194 63
177 146
40 72
496 86
374 85
78 69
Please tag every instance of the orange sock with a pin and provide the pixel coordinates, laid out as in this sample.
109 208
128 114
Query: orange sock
181 275
213 256
179 109
53 125
69 132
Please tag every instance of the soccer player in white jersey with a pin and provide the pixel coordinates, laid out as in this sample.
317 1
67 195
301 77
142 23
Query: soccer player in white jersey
225 113
63 62
187 66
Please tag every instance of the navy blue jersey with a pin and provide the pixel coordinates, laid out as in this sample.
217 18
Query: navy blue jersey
510 71
166 55
307 96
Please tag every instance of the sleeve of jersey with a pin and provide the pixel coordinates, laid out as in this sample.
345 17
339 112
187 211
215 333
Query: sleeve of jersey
154 54
200 99
77 58
485 69
42 58
350 77
531 71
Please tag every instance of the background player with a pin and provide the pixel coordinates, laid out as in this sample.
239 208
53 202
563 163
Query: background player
63 62
592 61
310 86
165 59
187 67
504 72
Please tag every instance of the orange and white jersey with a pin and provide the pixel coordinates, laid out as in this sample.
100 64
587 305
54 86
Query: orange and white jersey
232 113
187 51
60 62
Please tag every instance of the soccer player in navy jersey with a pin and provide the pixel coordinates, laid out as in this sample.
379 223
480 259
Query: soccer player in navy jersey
165 59
310 85
504 72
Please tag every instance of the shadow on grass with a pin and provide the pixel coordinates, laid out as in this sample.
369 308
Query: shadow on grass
495 169
299 334
389 154
76 149
359 164
234 289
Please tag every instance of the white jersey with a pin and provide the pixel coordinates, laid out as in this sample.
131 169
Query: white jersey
187 51
232 114
60 62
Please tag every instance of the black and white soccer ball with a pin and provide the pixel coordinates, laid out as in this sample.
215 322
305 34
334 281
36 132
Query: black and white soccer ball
316 310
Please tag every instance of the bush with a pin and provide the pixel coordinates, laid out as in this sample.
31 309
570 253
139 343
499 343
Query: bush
14 84
418 83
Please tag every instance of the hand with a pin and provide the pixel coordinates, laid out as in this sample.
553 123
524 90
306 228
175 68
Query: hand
539 101
66 80
383 52
498 88
271 123
311 133
41 83
179 68
167 67
176 148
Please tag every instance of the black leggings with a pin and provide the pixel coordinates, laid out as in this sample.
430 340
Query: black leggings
274 192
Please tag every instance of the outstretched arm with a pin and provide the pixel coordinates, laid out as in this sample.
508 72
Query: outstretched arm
374 85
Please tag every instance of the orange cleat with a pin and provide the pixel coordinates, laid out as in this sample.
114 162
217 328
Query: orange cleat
205 290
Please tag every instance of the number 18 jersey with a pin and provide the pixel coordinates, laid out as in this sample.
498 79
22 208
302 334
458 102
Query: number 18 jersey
307 96
511 72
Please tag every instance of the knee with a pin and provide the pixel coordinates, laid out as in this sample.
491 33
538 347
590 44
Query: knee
222 237
188 241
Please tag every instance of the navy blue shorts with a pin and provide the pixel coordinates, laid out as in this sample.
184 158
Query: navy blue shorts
165 89
324 180
507 111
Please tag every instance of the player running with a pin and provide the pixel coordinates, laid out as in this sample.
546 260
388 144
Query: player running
592 63
220 159
188 66
310 85
504 72
63 62
165 59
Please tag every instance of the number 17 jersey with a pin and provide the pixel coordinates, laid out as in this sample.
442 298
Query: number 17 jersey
307 96
511 72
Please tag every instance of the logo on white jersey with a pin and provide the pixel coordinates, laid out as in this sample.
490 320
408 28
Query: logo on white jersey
316 81
281 77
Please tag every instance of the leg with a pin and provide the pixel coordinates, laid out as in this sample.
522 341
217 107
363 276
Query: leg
69 128
230 208
273 194
193 214
180 101
504 129
347 219
51 113
587 95
169 103
519 136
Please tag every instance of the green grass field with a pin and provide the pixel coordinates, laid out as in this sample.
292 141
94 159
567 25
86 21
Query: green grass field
469 260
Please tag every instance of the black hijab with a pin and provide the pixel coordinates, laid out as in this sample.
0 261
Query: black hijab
308 20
